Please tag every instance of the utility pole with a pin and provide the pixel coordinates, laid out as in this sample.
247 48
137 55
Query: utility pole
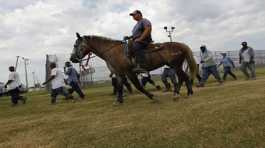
26 71
169 31
16 63
34 79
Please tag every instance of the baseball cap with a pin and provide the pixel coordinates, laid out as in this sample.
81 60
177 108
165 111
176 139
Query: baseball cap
135 12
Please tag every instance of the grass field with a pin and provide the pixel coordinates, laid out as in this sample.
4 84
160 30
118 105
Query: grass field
227 116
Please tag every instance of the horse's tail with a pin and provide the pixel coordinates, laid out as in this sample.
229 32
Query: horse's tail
191 63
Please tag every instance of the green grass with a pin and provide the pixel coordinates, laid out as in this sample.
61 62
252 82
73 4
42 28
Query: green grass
227 116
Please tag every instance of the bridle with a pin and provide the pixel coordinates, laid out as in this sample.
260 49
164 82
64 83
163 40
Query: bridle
90 49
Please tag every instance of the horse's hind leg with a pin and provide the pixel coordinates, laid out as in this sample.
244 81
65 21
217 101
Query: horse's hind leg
133 77
184 77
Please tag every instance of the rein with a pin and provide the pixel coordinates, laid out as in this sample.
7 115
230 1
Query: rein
109 49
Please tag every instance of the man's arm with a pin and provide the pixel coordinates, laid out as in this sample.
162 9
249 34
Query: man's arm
147 31
51 78
8 82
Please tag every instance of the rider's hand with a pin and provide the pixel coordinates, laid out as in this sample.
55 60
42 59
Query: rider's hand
126 38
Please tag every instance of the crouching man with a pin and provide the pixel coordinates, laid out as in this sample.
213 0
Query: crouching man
73 79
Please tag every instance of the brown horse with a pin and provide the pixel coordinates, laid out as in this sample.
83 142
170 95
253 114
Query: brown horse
172 54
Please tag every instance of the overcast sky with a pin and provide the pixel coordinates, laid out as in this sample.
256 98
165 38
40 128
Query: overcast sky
34 28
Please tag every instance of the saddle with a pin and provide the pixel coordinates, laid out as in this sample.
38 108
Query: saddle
152 47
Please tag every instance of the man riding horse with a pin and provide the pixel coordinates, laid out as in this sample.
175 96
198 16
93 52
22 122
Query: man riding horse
141 36
172 54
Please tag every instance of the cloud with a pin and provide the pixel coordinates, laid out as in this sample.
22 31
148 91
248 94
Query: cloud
34 28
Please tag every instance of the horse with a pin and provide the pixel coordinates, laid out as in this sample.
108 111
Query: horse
172 54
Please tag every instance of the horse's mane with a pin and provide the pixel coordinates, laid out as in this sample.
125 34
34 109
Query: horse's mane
105 39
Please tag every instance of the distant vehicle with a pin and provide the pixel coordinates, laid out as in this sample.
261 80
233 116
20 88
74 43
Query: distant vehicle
3 90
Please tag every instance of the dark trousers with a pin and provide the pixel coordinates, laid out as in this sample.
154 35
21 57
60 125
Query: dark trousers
227 70
169 72
75 87
56 92
207 71
245 66
139 48
145 80
14 93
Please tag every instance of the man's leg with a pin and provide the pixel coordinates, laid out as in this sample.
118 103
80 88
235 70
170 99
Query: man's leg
164 80
151 81
62 91
20 97
232 74
77 88
71 90
140 56
143 81
226 71
251 67
215 73
173 79
14 96
54 93
205 75
243 68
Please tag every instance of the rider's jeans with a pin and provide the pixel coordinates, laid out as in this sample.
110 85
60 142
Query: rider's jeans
139 52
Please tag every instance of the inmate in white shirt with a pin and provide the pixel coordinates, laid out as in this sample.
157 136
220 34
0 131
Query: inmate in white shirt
58 81
16 80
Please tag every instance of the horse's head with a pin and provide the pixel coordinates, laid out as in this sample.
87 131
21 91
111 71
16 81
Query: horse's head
81 49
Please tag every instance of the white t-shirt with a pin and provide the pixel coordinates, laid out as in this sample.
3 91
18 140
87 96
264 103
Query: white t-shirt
58 81
246 57
16 80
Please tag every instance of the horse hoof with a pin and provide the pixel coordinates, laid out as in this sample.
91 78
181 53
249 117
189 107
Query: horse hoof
176 97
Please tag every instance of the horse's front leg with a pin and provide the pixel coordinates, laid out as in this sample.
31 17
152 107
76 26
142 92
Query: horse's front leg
133 77
119 93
